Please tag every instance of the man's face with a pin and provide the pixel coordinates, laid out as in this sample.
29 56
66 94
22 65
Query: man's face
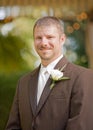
48 42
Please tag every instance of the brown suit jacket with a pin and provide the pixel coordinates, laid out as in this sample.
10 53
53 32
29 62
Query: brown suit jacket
68 106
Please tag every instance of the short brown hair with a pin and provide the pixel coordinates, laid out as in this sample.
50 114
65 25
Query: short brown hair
50 20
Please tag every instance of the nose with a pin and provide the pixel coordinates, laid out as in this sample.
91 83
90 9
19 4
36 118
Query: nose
44 41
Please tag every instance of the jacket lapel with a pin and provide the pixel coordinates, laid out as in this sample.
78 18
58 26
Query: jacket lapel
33 90
61 63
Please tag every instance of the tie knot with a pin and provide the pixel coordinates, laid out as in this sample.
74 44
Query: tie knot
44 70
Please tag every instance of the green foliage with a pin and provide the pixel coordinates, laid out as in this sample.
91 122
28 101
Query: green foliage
10 57
7 90
16 46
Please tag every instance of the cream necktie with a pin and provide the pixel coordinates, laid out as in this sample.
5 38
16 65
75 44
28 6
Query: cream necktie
43 77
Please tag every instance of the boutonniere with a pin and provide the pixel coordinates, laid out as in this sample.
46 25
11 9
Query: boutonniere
57 75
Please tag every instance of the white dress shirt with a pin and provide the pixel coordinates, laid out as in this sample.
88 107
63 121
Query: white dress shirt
44 75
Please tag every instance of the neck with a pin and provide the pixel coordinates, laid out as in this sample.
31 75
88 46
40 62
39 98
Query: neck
46 62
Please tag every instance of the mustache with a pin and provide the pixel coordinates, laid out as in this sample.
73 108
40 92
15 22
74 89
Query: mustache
44 47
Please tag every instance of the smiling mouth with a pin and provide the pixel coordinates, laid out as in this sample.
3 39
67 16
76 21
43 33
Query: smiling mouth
45 50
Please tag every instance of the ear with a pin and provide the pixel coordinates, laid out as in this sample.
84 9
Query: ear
63 38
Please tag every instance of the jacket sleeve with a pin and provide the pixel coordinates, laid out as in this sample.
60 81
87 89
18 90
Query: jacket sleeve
14 118
81 104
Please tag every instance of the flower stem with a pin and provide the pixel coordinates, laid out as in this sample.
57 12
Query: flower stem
52 85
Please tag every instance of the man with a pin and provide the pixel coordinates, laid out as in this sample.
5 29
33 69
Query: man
63 100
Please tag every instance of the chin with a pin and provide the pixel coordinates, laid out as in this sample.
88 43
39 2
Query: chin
46 57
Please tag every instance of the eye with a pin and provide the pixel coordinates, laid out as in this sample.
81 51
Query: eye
38 38
49 37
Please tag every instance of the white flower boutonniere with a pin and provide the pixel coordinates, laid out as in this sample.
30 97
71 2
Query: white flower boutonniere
57 75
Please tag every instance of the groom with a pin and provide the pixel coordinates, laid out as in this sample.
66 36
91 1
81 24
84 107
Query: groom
67 104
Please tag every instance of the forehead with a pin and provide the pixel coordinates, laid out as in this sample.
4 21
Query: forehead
46 29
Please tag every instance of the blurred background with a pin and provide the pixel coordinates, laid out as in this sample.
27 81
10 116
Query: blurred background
17 54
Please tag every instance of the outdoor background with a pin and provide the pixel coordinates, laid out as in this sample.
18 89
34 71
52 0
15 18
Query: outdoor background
17 54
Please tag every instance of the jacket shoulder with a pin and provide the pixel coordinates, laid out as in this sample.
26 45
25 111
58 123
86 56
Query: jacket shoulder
78 70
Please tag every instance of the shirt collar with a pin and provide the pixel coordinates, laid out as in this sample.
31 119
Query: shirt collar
51 65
